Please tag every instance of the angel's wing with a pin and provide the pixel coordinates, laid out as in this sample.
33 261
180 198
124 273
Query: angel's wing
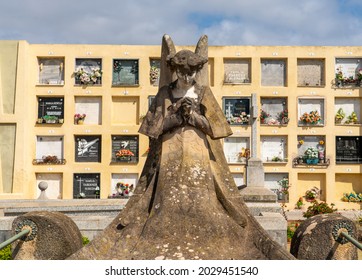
202 76
168 48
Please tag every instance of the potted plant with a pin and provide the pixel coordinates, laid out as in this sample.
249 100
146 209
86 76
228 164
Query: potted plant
312 118
352 118
50 119
339 116
312 194
311 155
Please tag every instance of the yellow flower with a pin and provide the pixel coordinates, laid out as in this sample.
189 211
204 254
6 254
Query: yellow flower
321 142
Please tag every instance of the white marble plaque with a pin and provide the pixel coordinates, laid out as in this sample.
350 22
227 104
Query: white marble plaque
233 146
273 106
49 145
273 148
126 178
92 107
237 71
51 71
310 141
306 105
55 185
310 72
348 106
273 72
348 66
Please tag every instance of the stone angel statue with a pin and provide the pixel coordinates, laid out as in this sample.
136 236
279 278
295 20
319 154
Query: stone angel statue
186 204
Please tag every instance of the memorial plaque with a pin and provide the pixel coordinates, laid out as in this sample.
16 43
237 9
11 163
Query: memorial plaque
348 105
310 72
89 65
237 71
234 149
55 185
51 71
238 179
307 105
273 72
237 110
274 107
310 141
155 66
86 185
49 149
348 149
271 182
51 109
125 149
92 107
348 66
273 148
125 72
124 178
88 148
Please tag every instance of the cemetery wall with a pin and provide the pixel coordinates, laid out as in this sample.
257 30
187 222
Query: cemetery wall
46 89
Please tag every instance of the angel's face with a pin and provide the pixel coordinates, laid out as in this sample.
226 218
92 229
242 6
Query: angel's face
186 76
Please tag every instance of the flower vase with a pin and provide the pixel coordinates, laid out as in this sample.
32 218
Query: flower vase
80 121
312 160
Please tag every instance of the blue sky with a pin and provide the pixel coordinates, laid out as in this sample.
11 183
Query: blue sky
226 22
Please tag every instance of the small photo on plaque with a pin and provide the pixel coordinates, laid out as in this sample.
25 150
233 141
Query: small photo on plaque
51 71
86 185
50 110
125 149
88 148
237 110
125 72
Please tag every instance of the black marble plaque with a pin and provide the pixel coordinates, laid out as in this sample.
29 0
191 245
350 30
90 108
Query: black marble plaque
88 148
89 65
348 149
51 107
86 185
125 72
237 110
125 148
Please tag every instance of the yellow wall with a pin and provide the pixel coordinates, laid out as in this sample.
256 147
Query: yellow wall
123 106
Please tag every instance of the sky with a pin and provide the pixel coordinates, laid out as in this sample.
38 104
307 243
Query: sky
143 22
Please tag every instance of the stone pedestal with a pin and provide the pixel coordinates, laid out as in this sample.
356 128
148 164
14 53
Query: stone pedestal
262 202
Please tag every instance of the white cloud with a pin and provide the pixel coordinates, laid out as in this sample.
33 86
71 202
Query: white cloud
257 22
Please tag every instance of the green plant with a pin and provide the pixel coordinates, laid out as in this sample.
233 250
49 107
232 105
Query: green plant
85 240
300 203
50 118
352 118
290 233
284 184
340 115
276 159
5 253
311 153
319 208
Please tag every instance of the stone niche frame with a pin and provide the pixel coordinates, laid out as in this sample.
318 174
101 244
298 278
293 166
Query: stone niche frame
236 149
348 149
274 149
274 72
310 104
55 185
91 106
89 66
86 185
312 141
347 72
237 110
237 71
271 182
125 72
50 110
49 150
127 149
276 109
51 71
348 106
154 75
310 72
125 178
125 110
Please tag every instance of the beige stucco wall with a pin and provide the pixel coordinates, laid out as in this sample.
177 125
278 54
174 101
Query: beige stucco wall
119 118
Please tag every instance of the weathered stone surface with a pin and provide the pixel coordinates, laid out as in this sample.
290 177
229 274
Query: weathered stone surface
315 239
53 236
